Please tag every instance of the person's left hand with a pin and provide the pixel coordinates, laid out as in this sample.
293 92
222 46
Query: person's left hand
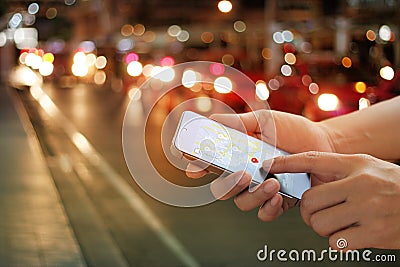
353 197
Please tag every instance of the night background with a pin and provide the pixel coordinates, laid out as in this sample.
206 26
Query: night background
70 68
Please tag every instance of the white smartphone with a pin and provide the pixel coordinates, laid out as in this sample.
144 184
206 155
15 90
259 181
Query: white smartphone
225 149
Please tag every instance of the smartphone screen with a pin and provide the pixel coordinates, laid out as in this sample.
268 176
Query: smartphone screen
231 150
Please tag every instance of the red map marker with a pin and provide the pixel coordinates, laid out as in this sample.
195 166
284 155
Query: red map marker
254 160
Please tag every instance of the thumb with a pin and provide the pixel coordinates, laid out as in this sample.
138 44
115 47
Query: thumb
333 166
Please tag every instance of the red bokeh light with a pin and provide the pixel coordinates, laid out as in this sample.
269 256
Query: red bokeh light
167 62
131 57
217 69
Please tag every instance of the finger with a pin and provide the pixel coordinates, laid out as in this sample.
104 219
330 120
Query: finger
322 197
328 221
331 165
328 167
225 187
271 209
194 171
351 238
250 200
247 122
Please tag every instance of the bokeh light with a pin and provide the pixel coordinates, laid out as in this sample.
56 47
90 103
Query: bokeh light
174 30
228 59
3 39
225 6
15 20
306 47
29 19
223 85
239 26
127 30
149 36
166 74
125 44
328 102
90 59
100 77
79 70
207 37
134 68
139 29
262 91
134 93
190 78
306 80
69 2
22 57
266 53
363 103
360 87
313 88
385 33
287 36
51 13
183 36
101 62
278 38
131 57
346 62
203 104
290 58
155 70
46 69
35 61
371 36
274 84
33 8
148 70
48 57
286 70
29 58
217 69
387 73
167 61
79 57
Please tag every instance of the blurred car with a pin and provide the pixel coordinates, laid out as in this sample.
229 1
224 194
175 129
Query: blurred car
322 90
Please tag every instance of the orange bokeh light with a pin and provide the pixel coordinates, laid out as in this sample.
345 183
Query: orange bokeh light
346 62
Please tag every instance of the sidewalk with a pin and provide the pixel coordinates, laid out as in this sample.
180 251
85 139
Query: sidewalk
34 230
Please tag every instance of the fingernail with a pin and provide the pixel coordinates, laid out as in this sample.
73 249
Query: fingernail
270 187
274 200
267 164
254 188
241 179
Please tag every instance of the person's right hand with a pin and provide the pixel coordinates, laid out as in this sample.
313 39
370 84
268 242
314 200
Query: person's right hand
355 200
294 134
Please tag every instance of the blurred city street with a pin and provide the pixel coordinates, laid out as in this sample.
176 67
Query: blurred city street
69 69
109 232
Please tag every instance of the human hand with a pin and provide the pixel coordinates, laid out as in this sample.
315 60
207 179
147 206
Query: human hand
355 197
295 134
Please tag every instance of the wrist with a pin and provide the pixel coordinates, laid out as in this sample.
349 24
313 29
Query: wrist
332 136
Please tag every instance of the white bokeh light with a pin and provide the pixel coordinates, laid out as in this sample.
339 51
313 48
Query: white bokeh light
262 91
387 73
225 6
385 33
134 68
328 102
223 85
